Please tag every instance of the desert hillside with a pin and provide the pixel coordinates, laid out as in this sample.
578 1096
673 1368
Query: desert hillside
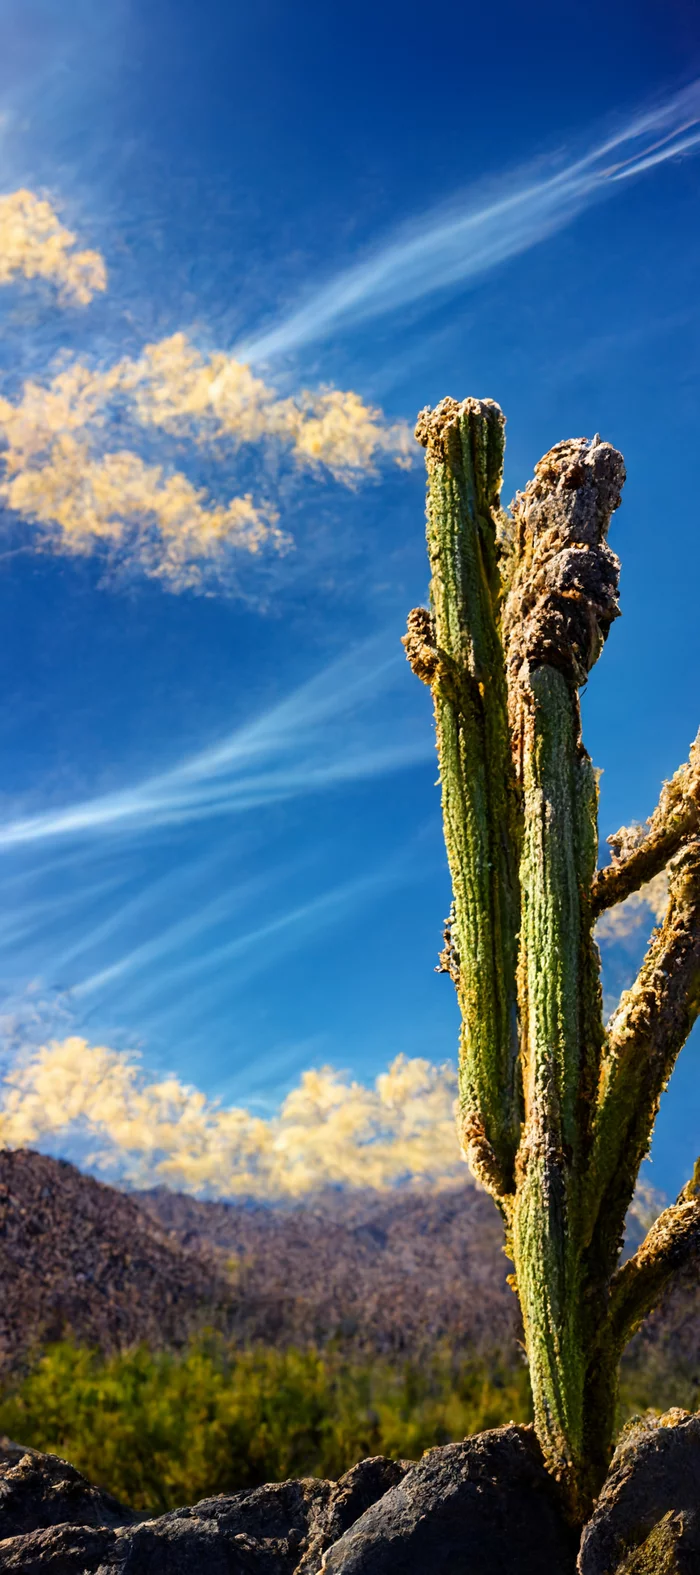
80 1258
395 1273
391 1272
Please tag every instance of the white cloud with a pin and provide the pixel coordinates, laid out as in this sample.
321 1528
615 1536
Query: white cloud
178 389
62 477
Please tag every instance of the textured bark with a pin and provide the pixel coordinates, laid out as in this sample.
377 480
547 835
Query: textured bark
555 1116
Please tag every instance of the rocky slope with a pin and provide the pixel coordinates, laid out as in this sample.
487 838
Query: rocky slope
78 1257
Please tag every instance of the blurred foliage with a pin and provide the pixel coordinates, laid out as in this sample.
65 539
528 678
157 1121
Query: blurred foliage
657 1380
160 1429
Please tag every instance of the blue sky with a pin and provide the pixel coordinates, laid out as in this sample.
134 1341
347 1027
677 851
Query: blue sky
222 842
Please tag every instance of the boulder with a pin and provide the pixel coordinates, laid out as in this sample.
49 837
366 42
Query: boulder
647 1519
280 1529
483 1507
38 1491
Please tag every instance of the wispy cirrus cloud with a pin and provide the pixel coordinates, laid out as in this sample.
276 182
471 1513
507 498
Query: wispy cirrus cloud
330 1130
462 240
35 245
328 731
164 966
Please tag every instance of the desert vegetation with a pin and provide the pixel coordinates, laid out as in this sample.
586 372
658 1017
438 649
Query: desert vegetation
163 1428
160 1429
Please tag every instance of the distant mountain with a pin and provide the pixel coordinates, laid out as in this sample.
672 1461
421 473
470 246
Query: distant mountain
388 1272
393 1272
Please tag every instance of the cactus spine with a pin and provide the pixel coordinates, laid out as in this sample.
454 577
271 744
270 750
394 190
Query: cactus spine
556 1111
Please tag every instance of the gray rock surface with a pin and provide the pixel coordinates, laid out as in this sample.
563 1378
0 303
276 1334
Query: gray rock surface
280 1529
38 1491
482 1507
647 1519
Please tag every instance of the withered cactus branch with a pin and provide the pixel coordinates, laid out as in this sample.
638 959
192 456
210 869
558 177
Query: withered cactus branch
640 852
672 1241
555 1113
644 1039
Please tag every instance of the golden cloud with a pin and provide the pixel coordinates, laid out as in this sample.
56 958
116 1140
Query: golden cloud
329 1131
161 521
630 916
178 389
82 499
35 245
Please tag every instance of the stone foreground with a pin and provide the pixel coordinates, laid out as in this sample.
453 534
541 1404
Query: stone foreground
482 1507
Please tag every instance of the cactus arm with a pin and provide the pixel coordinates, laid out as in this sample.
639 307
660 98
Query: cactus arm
645 1038
671 1243
544 1239
562 600
458 652
641 852
634 1290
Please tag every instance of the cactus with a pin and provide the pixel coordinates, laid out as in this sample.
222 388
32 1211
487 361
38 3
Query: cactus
556 1110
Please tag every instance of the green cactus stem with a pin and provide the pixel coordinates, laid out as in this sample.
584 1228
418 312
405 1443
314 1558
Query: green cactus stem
555 1112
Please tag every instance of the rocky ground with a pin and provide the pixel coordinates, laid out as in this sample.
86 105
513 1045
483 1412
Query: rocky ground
485 1506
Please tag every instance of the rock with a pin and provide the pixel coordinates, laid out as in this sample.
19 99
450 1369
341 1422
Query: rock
62 1550
483 1507
280 1529
361 1487
38 1491
672 1548
647 1519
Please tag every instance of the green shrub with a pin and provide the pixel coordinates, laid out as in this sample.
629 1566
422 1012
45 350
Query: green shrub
657 1381
160 1429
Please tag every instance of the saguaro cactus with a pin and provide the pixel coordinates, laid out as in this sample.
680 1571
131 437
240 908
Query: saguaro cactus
556 1110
